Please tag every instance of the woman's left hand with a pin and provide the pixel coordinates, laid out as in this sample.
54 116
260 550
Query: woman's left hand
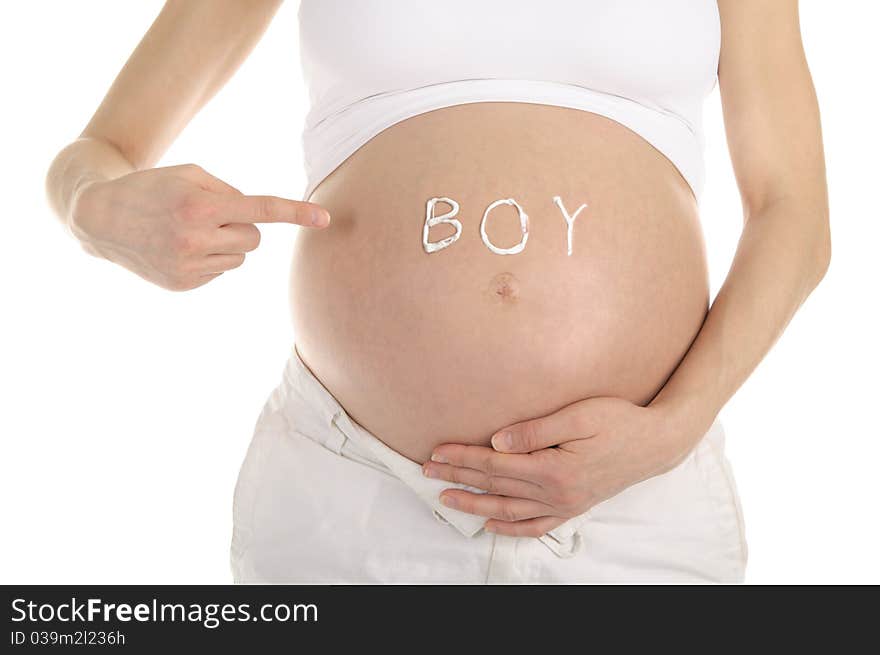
541 472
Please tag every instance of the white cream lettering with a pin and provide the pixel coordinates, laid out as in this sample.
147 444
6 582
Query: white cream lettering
569 220
431 221
523 224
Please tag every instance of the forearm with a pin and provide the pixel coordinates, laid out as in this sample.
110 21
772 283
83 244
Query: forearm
186 56
83 161
782 255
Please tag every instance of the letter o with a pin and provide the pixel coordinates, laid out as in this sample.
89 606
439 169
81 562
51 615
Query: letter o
523 224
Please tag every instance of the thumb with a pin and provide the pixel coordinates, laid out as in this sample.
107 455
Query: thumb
567 424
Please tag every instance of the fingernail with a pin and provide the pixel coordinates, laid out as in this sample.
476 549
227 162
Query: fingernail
428 471
502 441
449 501
320 218
437 457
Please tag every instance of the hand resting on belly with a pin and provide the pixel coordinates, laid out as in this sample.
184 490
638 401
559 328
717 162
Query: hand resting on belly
539 473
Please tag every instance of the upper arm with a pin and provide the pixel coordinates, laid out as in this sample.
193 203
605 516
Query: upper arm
771 114
189 52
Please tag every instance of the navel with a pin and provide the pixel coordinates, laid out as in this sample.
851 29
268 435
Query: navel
503 288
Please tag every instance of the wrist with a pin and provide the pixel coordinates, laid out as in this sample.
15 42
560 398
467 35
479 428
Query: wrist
683 423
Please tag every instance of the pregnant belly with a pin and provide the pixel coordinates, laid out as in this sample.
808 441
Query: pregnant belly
423 348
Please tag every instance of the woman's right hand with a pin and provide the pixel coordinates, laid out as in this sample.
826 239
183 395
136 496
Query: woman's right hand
178 226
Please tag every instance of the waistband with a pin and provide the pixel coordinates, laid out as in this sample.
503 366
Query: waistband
315 413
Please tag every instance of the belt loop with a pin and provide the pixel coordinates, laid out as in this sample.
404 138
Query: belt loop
564 549
567 539
337 437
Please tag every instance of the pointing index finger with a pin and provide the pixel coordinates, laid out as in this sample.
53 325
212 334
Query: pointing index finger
272 209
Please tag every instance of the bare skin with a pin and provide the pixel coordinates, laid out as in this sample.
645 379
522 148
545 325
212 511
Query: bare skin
604 445
479 340
178 227
554 333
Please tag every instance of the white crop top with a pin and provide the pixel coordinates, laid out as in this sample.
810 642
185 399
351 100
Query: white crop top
368 64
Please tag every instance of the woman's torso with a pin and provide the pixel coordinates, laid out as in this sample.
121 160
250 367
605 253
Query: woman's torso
449 346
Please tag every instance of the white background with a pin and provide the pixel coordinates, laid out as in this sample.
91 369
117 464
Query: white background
126 409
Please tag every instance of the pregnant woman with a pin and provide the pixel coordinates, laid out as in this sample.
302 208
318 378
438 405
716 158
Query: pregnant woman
506 368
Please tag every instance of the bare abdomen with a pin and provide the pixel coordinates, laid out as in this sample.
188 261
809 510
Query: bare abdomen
424 348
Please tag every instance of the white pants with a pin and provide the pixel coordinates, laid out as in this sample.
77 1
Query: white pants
321 500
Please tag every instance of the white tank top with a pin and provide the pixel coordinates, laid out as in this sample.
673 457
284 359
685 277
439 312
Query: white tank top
368 64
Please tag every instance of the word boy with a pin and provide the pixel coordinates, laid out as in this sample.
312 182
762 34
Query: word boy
431 220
